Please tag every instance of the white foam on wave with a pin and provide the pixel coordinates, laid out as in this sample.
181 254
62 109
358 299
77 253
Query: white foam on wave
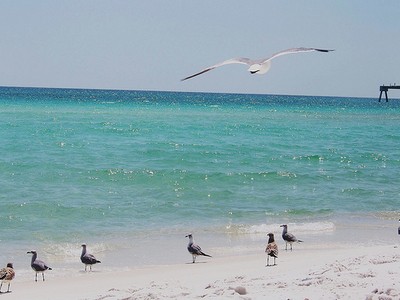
309 228
70 252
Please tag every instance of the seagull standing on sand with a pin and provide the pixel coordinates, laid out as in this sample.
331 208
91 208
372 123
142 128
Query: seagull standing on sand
272 249
6 275
88 259
288 237
257 66
37 265
194 249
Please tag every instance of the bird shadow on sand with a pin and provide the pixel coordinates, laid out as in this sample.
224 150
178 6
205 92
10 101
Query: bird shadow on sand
4 293
200 262
88 272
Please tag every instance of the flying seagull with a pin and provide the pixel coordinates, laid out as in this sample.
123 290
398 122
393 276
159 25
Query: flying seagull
272 249
288 237
194 249
37 265
6 275
257 66
88 259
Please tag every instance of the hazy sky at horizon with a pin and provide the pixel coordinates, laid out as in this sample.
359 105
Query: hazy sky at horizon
151 45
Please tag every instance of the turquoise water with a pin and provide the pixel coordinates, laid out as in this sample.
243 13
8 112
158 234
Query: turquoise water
119 169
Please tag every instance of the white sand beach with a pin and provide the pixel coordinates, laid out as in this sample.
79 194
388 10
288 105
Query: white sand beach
359 272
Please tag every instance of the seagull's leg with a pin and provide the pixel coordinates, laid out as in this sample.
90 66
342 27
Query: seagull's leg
8 290
286 246
36 276
90 267
1 284
43 276
291 247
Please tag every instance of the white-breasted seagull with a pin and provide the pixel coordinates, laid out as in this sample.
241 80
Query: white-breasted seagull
288 237
37 265
257 66
194 249
88 259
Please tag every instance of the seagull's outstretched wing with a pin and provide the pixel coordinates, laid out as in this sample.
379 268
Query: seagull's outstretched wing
239 60
293 51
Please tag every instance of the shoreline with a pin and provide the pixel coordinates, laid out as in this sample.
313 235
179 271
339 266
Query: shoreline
361 262
358 272
122 251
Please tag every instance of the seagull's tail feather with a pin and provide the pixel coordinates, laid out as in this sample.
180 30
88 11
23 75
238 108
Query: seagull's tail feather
49 269
97 261
299 241
202 253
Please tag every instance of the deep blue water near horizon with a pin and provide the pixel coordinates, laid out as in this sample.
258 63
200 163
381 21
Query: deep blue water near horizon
111 167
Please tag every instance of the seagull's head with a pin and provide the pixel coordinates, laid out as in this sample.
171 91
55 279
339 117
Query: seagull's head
189 236
31 252
285 226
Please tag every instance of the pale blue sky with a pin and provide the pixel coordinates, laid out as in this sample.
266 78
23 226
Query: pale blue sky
151 45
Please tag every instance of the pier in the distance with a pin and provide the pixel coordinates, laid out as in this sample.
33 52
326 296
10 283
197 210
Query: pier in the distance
385 88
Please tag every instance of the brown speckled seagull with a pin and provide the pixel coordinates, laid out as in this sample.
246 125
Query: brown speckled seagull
271 249
6 275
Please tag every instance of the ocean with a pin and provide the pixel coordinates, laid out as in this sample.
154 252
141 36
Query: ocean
130 173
